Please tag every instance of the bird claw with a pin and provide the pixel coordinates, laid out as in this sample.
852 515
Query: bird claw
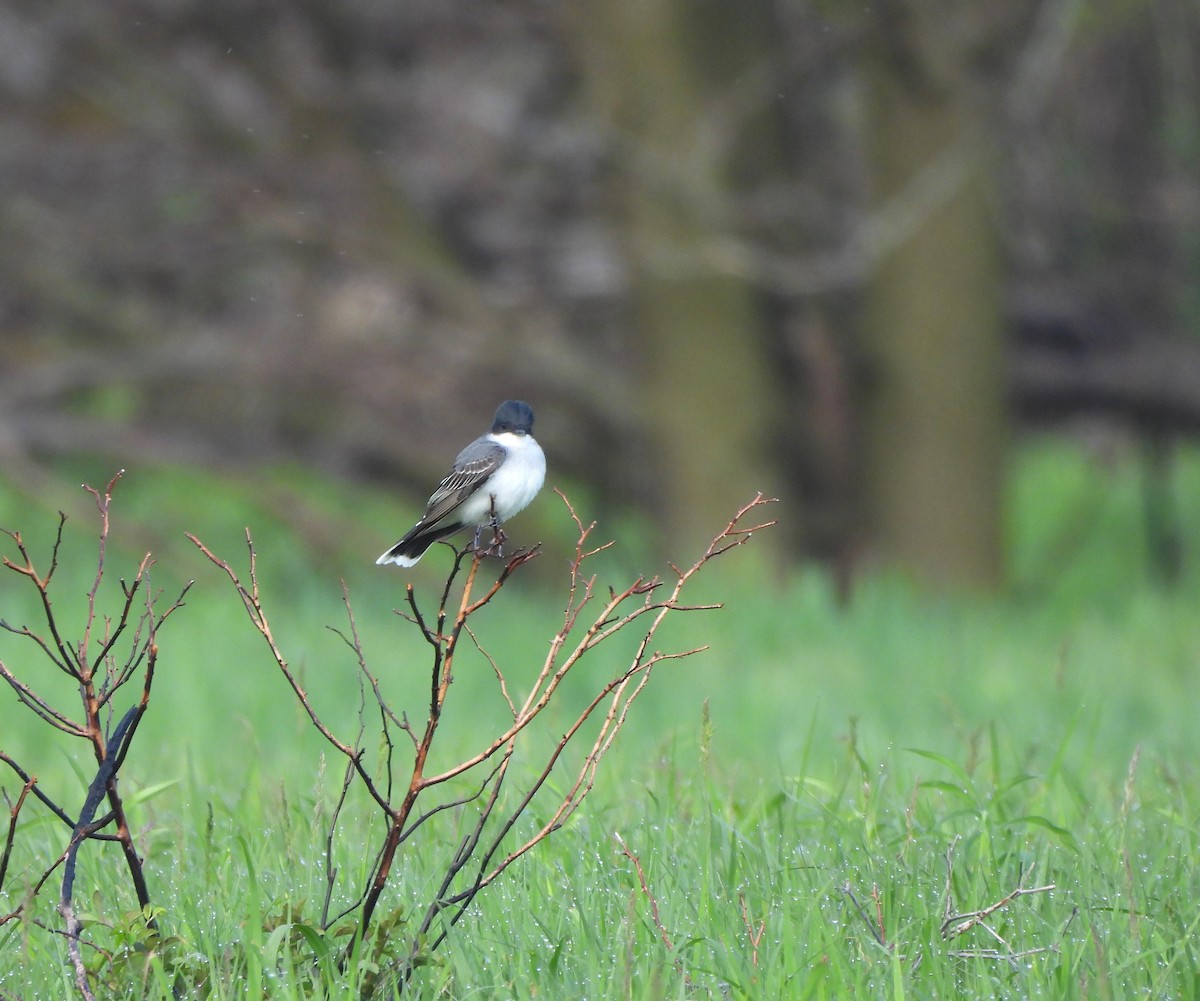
495 547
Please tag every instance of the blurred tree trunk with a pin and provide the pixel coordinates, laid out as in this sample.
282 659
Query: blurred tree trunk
707 387
934 322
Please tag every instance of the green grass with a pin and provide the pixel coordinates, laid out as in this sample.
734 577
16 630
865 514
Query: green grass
791 796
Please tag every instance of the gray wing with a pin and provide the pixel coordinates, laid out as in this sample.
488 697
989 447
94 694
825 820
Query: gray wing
474 465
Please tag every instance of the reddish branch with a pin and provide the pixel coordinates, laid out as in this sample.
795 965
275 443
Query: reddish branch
754 933
643 604
641 875
655 917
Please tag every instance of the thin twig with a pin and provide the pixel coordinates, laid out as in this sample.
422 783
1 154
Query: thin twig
647 601
957 924
641 875
252 602
66 660
753 934
330 835
46 801
619 705
872 927
13 812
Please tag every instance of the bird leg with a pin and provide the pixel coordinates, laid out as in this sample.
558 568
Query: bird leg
497 533
498 536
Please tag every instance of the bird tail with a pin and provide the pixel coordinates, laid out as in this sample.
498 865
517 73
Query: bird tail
411 548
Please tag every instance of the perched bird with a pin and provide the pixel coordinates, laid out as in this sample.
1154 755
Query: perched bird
493 478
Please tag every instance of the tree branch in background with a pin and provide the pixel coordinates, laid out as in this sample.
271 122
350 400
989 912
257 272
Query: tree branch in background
590 619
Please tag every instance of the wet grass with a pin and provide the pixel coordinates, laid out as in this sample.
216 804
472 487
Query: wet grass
911 797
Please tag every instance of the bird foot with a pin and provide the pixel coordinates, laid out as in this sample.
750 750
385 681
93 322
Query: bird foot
496 546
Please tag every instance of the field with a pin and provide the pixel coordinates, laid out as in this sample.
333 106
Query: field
907 797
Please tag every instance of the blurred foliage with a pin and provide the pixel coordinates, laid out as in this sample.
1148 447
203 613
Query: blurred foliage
245 236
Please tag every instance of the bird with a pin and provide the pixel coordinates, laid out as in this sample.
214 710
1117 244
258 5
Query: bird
493 478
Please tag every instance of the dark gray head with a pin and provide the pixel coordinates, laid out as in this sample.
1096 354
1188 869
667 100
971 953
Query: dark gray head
515 416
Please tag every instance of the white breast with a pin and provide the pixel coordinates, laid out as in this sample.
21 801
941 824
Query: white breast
514 484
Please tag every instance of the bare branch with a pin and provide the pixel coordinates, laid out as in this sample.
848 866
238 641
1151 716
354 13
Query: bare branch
103 503
641 875
330 834
753 934
66 660
41 642
355 644
40 707
876 929
137 633
37 790
620 700
254 608
123 617
646 602
13 812
251 601
957 924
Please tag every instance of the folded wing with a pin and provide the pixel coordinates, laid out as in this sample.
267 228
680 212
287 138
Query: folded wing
474 465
